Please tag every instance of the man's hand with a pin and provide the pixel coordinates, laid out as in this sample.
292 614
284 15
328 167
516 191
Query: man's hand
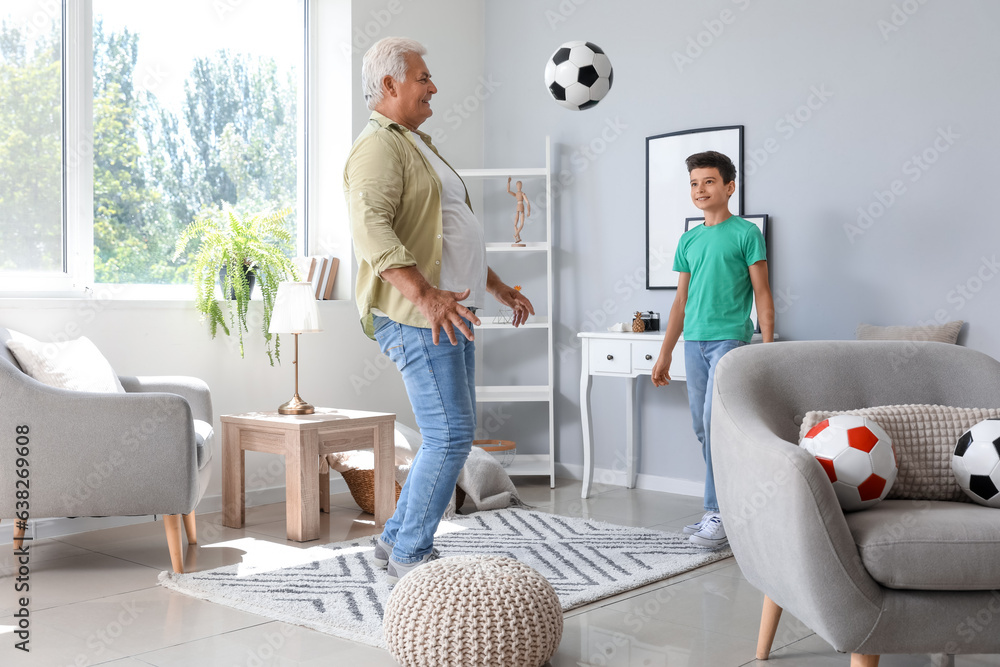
514 300
661 370
441 307
443 310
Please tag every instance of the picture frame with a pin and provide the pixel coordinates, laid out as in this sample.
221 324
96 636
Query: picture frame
668 198
761 221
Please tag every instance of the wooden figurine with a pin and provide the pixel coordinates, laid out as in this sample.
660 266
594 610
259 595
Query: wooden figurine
638 326
519 215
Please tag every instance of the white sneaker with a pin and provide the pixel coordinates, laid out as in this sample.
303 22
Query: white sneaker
693 528
712 533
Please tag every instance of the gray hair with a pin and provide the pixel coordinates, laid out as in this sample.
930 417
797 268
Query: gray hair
386 57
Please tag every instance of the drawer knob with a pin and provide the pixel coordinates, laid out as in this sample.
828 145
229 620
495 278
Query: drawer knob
610 357
649 357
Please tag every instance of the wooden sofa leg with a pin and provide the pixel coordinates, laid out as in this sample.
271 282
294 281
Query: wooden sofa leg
861 660
172 522
190 528
769 618
19 530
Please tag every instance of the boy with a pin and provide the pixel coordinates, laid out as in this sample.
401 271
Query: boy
723 267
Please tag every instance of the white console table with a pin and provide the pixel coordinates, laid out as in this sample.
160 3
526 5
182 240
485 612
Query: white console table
621 355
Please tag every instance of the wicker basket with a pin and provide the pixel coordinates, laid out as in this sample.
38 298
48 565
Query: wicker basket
361 484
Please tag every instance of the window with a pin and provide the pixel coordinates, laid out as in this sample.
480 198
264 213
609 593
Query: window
190 106
31 202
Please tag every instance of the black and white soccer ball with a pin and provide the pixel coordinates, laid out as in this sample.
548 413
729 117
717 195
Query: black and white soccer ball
579 75
976 462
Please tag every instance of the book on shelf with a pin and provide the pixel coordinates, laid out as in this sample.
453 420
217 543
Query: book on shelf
331 276
318 276
320 271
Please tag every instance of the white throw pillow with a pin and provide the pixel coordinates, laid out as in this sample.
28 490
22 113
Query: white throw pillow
74 364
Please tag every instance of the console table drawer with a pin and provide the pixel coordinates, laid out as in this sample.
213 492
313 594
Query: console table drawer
644 354
611 356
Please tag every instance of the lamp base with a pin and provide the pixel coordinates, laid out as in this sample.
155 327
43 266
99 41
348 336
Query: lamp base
296 406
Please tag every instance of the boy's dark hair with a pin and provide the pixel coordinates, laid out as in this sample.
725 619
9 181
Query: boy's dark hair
710 159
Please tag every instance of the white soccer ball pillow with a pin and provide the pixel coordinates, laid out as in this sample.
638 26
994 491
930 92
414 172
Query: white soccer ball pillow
857 456
579 75
976 462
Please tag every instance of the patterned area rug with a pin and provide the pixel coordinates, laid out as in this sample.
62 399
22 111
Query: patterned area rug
336 588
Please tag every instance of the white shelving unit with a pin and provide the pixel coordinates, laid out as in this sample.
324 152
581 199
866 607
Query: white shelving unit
525 464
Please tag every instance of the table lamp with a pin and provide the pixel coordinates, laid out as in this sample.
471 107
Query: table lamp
295 312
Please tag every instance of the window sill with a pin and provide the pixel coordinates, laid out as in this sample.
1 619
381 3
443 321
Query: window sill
112 299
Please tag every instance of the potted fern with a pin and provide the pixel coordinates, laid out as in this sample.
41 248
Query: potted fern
233 249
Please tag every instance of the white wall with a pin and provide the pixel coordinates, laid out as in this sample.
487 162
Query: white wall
452 31
887 94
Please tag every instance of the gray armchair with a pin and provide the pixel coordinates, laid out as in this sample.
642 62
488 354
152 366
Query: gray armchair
144 452
903 577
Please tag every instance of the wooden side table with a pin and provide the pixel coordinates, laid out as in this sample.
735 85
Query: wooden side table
302 439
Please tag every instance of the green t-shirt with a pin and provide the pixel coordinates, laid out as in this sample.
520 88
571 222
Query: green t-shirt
720 294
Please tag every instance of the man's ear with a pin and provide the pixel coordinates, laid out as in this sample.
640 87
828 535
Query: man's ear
731 187
389 85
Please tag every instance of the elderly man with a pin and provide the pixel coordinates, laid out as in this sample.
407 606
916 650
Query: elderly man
421 271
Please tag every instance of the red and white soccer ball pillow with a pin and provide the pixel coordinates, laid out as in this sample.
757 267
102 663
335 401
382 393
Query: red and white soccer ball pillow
857 456
976 462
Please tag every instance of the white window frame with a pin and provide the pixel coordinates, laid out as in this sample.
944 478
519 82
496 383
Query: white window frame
77 278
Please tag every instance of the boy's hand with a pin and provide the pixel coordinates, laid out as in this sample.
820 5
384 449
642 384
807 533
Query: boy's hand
661 371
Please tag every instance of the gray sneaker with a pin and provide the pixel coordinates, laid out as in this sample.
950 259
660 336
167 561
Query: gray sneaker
397 571
381 554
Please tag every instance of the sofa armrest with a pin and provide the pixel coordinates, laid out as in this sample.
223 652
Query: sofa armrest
97 454
784 522
195 391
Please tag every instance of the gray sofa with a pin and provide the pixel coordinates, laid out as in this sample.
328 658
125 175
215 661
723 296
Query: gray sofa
906 576
144 452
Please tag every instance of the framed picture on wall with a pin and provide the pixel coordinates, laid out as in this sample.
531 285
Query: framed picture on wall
668 192
761 222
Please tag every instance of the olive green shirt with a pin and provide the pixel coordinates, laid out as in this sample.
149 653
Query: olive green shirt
394 204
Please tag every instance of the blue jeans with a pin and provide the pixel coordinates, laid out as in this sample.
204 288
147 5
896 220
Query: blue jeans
700 359
441 384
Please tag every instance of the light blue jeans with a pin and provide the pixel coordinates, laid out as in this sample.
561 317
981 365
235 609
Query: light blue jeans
441 383
700 359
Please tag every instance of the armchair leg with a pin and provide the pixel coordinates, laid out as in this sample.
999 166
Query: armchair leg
860 660
172 522
190 529
769 618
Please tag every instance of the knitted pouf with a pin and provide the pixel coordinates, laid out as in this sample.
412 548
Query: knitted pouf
473 611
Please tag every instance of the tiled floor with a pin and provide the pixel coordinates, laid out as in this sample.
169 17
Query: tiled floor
95 601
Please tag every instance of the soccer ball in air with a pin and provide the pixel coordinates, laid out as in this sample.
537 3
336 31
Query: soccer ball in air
578 75
976 462
857 456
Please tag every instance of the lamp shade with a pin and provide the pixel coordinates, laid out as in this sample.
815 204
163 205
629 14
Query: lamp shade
295 309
